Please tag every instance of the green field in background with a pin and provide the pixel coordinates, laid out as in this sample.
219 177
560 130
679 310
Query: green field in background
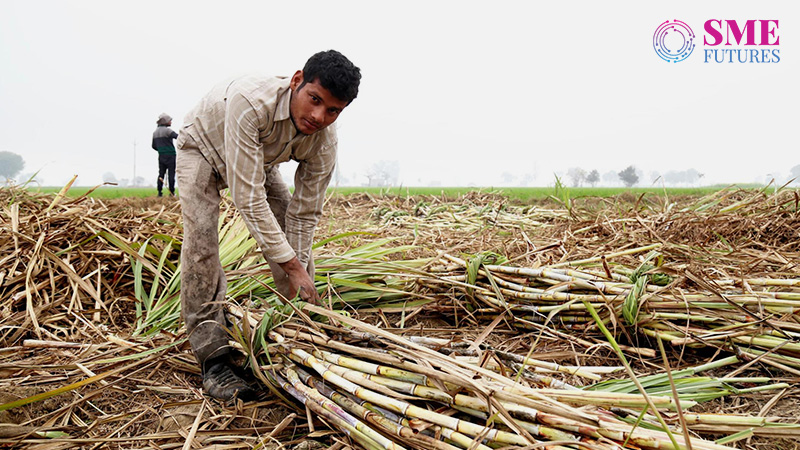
101 192
522 194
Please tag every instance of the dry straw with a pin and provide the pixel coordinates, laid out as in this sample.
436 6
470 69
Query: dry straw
95 284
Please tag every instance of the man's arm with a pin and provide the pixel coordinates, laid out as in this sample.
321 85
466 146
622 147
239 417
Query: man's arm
302 215
245 173
305 209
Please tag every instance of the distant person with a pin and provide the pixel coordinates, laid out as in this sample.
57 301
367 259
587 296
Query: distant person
162 143
236 137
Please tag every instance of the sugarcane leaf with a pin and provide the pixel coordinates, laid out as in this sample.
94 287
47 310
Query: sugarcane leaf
339 236
630 307
744 434
121 244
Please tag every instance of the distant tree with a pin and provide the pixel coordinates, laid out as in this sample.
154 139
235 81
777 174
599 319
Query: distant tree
109 177
628 176
138 181
674 177
576 176
693 176
682 177
527 179
593 178
795 173
508 178
640 173
384 173
10 164
610 178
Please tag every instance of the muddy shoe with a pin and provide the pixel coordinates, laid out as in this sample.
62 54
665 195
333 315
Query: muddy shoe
220 382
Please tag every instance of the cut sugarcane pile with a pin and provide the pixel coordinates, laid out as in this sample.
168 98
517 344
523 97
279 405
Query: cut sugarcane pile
389 392
63 257
471 213
754 318
734 231
60 254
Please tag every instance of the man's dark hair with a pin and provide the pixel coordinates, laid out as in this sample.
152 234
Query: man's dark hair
335 73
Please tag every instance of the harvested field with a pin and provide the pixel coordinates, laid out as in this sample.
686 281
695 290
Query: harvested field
529 326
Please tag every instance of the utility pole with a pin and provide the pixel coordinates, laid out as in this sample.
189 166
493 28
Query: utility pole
133 181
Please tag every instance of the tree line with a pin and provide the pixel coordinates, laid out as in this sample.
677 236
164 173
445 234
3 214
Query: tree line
632 176
387 173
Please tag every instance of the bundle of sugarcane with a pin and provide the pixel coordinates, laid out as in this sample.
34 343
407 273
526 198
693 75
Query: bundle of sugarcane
389 392
756 318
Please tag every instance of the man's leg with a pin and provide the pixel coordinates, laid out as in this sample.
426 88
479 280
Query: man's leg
171 173
278 197
162 168
203 283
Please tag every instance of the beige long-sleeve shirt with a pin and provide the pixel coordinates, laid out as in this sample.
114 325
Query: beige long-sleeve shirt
243 128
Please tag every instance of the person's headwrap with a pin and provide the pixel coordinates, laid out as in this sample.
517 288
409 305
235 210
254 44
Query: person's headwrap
164 119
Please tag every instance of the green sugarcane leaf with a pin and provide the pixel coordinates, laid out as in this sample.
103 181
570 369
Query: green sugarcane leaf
630 307
744 434
339 236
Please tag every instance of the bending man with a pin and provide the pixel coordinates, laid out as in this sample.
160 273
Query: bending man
236 137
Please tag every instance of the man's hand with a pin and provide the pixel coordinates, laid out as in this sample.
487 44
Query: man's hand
300 281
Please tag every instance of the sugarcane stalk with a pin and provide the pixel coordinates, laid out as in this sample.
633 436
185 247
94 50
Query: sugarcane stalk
401 406
587 431
443 397
547 365
527 372
373 369
337 421
391 427
649 439
595 259
466 372
382 357
476 404
318 399
462 440
405 387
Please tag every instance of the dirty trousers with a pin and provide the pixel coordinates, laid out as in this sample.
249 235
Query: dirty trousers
203 283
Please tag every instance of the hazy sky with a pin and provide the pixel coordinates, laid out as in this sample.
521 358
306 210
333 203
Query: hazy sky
457 92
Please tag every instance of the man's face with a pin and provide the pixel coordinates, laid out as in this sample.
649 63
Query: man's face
312 107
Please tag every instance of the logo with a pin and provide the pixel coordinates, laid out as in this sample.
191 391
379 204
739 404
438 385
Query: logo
673 41
731 41
724 41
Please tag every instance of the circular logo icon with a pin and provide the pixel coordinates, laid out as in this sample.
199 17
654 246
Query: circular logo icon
673 41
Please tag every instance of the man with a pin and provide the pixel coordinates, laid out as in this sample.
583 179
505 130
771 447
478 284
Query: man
162 143
236 137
